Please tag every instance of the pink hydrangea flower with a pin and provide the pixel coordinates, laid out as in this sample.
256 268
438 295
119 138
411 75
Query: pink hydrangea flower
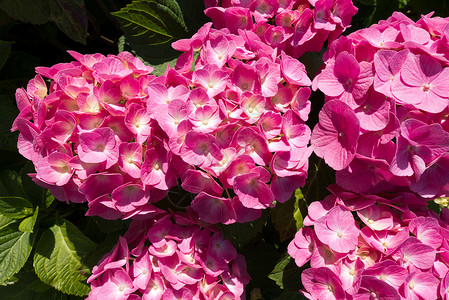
182 260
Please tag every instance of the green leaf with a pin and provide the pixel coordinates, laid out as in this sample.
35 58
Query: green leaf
290 295
242 233
193 12
32 11
28 287
15 207
5 49
287 217
11 184
48 198
58 260
52 294
28 223
286 274
261 258
15 247
160 69
71 18
5 221
319 178
152 22
149 54
300 207
33 192
22 289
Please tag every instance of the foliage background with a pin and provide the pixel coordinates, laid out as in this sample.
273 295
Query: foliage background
47 248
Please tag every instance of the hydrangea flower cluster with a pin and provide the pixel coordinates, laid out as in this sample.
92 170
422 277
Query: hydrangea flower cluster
119 138
89 136
376 246
170 257
238 118
387 95
293 26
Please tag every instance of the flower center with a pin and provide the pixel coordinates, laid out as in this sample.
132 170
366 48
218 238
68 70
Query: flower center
426 87
348 83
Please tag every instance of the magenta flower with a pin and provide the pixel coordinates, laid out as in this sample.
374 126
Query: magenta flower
338 230
252 190
423 82
346 79
388 271
420 285
302 246
98 146
374 288
322 283
213 209
55 169
130 158
200 149
334 138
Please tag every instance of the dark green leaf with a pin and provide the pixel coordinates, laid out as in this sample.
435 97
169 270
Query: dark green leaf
11 184
5 49
152 22
290 295
261 259
5 19
28 287
320 177
149 54
286 274
313 62
287 217
440 7
8 139
22 289
15 207
16 72
15 247
28 223
38 286
58 260
242 233
367 2
71 18
52 294
33 192
31 11
193 12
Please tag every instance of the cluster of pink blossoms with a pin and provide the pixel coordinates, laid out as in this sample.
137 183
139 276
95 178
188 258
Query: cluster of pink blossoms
387 95
170 257
88 134
293 26
395 248
109 133
238 119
